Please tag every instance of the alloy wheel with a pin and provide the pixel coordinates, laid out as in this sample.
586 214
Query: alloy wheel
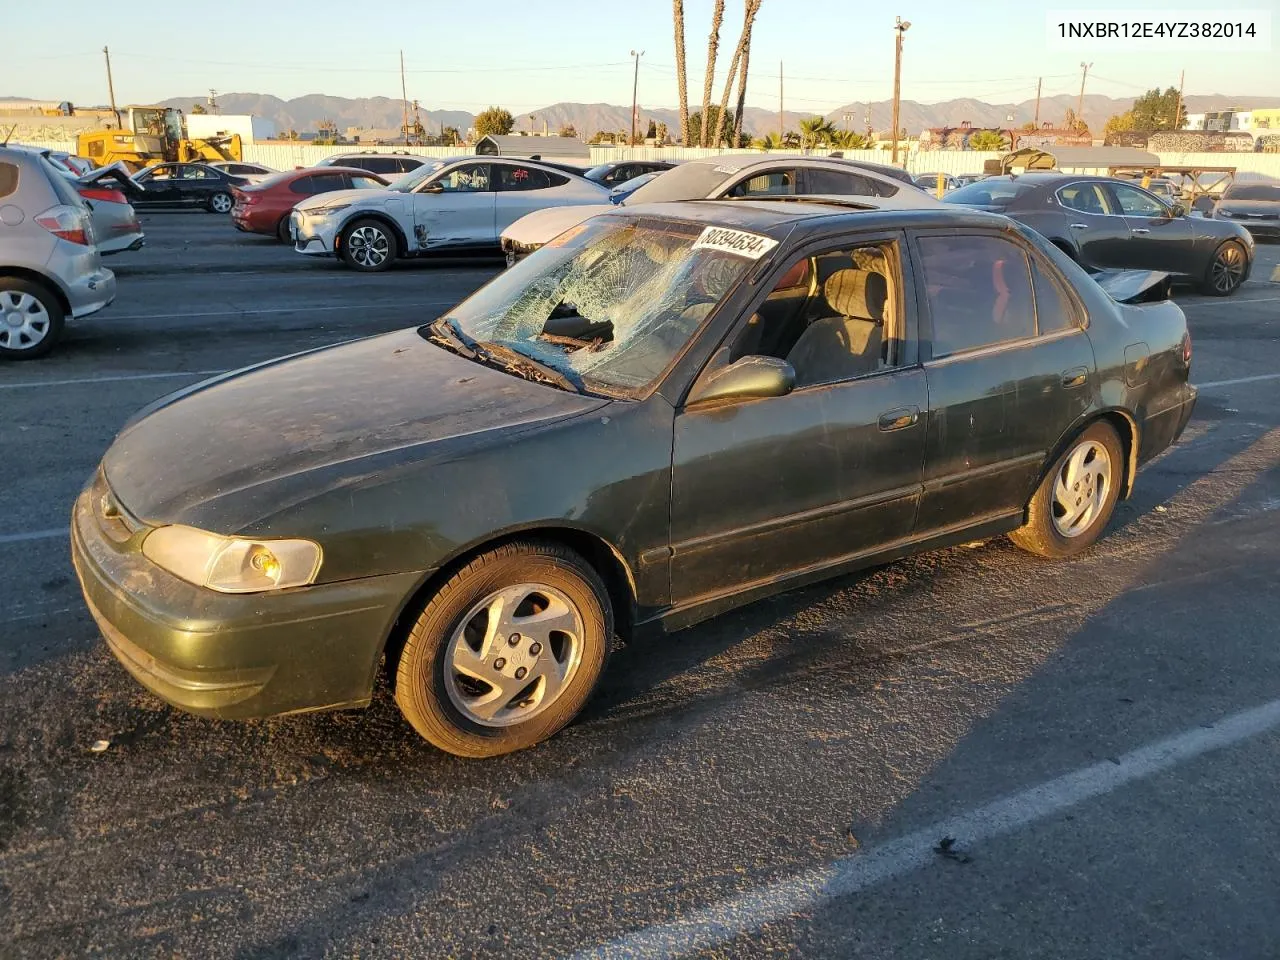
221 203
513 654
1228 269
1081 489
24 320
368 246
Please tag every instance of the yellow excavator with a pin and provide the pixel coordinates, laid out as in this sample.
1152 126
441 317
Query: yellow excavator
154 135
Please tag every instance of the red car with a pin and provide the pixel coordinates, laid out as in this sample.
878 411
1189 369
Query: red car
264 207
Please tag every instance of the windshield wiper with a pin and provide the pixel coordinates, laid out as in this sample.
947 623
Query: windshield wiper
516 362
444 331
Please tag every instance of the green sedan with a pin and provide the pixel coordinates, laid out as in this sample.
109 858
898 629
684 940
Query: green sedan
666 412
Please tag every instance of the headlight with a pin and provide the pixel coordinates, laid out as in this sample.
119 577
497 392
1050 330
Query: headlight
230 564
325 211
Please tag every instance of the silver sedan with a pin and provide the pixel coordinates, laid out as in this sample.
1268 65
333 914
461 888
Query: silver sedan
451 207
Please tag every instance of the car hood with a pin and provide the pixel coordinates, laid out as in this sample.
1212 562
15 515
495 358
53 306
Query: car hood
1269 207
535 229
349 196
231 451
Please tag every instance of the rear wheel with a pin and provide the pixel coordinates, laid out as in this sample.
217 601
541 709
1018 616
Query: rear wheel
220 203
31 319
1226 270
507 651
368 245
1075 500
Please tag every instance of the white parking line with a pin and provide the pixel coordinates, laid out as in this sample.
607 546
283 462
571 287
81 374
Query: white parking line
1231 383
1230 302
33 535
128 376
817 888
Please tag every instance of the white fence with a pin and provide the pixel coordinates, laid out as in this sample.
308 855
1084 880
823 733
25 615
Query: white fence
285 156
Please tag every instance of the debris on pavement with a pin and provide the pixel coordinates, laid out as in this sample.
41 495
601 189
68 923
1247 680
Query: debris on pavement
946 848
100 745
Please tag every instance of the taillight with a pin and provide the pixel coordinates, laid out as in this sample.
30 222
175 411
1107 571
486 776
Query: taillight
103 193
1186 349
68 222
248 197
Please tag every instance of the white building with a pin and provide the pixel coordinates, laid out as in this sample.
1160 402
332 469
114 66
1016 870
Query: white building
250 128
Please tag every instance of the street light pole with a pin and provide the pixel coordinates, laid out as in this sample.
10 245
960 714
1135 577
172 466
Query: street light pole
900 27
635 89
1084 68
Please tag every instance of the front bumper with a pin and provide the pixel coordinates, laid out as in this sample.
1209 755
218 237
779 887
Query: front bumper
1262 228
90 292
234 656
315 236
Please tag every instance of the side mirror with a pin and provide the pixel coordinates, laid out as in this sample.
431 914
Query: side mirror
1179 209
750 378
436 187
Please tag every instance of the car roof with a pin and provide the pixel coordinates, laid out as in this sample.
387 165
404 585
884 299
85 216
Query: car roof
777 217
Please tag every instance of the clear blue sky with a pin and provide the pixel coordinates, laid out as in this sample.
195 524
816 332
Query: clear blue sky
524 55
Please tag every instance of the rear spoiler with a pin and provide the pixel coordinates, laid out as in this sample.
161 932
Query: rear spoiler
1135 286
117 172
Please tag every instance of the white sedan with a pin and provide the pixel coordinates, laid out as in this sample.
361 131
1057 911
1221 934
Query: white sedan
456 206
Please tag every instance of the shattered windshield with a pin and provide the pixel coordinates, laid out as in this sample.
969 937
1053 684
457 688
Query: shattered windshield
611 302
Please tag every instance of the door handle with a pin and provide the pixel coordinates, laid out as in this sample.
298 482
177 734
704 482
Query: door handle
1075 377
1140 230
1079 226
899 419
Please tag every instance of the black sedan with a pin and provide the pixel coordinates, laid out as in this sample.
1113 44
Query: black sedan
1106 223
674 410
619 172
186 185
1255 206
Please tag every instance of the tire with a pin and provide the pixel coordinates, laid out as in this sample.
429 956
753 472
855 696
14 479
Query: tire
1049 530
368 245
220 202
471 717
282 230
31 319
1226 270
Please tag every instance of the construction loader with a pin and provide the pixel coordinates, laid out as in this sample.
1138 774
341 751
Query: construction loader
154 135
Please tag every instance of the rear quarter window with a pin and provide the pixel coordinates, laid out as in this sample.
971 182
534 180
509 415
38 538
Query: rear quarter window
8 179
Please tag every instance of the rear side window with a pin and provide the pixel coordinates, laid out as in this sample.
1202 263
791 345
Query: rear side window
61 185
522 178
8 179
1053 309
979 292
405 164
839 183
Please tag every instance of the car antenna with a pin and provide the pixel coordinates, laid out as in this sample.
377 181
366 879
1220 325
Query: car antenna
8 135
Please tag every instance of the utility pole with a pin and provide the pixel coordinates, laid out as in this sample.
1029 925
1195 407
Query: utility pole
213 101
111 87
900 27
1036 122
404 99
635 89
1084 68
782 124
1177 110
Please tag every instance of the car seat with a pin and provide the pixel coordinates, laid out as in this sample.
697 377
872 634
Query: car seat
846 342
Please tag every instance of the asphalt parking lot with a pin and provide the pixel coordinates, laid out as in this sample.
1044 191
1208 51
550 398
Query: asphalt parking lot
1099 739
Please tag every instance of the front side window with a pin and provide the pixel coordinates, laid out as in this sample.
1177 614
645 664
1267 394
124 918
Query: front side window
1137 203
769 184
979 292
833 316
609 303
468 178
195 173
159 173
1086 198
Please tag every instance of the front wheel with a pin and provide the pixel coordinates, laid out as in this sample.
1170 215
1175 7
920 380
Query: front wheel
368 245
220 203
507 651
31 319
282 230
1226 270
1075 500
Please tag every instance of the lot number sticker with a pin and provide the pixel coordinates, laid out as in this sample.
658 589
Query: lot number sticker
750 245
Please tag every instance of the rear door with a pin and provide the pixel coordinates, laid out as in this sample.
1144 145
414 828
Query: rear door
1009 369
197 183
1158 239
1096 225
521 190
460 213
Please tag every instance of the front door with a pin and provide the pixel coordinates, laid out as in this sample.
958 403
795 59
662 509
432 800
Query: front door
1009 369
770 488
1095 224
460 214
159 185
1158 240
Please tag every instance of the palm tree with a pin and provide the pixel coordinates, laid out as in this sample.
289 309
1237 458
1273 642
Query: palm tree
772 141
677 14
848 140
713 43
742 74
749 14
815 130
